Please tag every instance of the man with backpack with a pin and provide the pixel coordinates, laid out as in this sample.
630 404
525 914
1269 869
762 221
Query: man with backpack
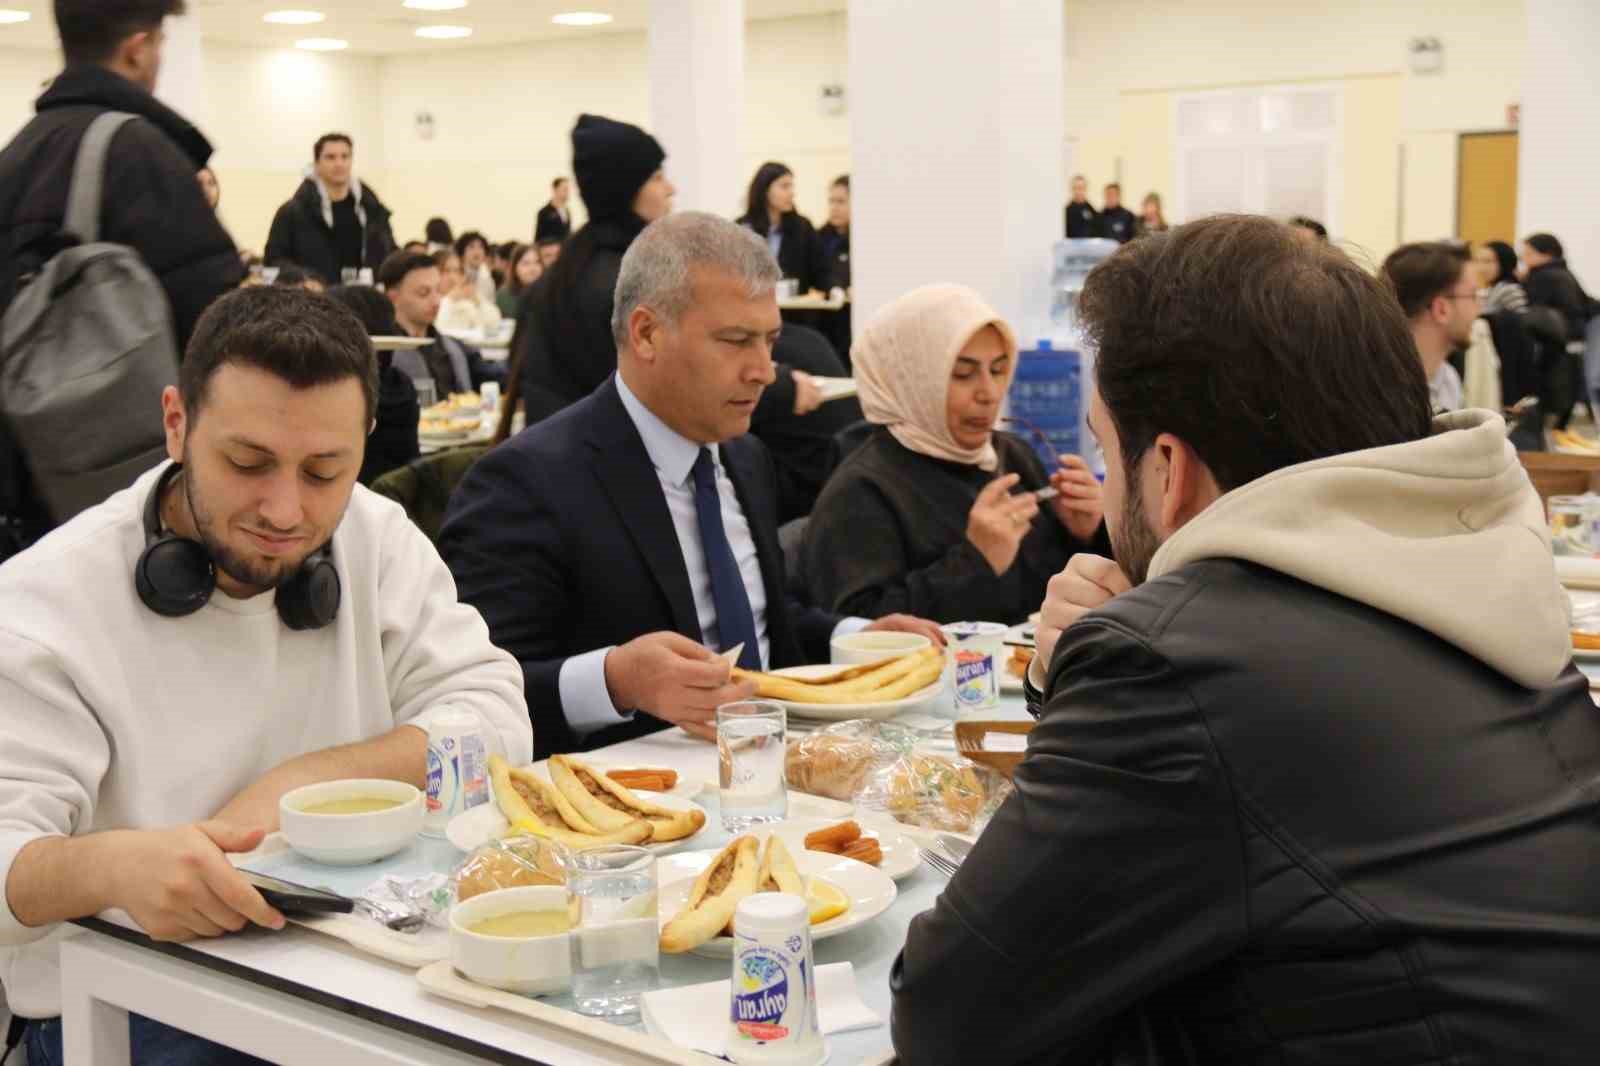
113 55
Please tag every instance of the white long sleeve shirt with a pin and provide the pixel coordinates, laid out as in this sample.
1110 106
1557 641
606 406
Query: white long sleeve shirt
113 717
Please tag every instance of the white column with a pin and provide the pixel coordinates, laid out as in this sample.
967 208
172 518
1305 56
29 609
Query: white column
179 86
956 133
697 99
1558 157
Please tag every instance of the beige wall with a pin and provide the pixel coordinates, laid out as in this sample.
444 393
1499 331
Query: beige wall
1126 63
502 115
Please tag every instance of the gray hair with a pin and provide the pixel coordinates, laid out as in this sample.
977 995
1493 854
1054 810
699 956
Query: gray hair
656 271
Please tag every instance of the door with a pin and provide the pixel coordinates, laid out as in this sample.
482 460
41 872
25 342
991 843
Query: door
1486 189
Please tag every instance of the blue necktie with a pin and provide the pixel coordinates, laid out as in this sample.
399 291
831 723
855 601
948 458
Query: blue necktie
735 622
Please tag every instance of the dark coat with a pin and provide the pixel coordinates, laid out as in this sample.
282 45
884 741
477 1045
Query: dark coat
801 256
1117 224
393 440
563 341
550 225
1297 828
152 204
561 539
301 235
802 446
1082 220
563 348
889 535
1553 285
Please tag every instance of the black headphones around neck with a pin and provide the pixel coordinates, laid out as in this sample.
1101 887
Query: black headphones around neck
175 576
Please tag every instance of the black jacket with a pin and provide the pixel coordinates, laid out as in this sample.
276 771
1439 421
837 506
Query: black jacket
563 348
563 341
152 203
561 539
1117 224
1296 828
1553 285
889 535
801 256
1082 220
301 235
802 446
550 225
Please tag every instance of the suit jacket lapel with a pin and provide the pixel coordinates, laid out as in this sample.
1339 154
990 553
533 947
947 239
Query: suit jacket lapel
625 472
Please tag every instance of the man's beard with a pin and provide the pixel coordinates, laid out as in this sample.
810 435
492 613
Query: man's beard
1134 542
263 576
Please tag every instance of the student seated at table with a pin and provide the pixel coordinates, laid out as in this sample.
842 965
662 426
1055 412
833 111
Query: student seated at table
616 548
393 440
1313 778
242 621
935 514
414 284
464 306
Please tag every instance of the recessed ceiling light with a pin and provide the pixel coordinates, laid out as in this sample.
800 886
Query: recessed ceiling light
293 18
435 5
581 18
10 15
444 33
322 44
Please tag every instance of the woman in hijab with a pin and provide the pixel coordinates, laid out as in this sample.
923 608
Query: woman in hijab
937 513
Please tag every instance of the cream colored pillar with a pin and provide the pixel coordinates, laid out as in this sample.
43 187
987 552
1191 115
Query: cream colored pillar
697 98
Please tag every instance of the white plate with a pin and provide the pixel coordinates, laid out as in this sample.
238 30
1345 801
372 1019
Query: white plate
484 823
1586 654
1011 684
900 856
843 712
871 891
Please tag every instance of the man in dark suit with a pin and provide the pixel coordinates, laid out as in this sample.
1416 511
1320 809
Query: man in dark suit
555 219
616 547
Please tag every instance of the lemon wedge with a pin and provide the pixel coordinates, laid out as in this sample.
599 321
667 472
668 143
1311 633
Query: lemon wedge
826 900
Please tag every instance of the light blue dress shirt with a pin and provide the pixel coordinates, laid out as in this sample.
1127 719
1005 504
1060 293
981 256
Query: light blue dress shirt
584 696
775 240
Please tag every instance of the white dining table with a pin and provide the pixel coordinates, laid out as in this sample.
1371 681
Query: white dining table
300 996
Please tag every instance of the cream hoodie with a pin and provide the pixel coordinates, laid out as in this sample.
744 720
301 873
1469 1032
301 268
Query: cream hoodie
1446 533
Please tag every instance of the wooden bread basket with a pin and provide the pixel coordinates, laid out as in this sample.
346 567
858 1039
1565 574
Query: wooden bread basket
969 742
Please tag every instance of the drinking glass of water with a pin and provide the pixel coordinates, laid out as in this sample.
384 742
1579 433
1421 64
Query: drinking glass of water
427 395
348 275
751 739
615 946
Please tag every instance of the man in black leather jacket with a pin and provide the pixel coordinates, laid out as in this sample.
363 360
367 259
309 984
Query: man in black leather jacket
1314 779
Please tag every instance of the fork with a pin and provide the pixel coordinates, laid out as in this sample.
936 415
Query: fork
938 862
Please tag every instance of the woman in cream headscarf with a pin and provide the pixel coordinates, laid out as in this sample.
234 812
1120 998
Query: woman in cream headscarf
936 514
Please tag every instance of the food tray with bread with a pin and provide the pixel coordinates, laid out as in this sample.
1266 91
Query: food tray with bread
699 891
838 693
579 804
275 858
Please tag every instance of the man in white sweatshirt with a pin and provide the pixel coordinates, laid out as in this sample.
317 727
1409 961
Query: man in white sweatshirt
291 627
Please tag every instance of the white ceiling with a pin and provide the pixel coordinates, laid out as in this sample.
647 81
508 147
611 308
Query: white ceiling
384 27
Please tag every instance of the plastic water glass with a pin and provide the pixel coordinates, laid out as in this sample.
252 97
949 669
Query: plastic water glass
615 952
751 739
427 396
348 275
